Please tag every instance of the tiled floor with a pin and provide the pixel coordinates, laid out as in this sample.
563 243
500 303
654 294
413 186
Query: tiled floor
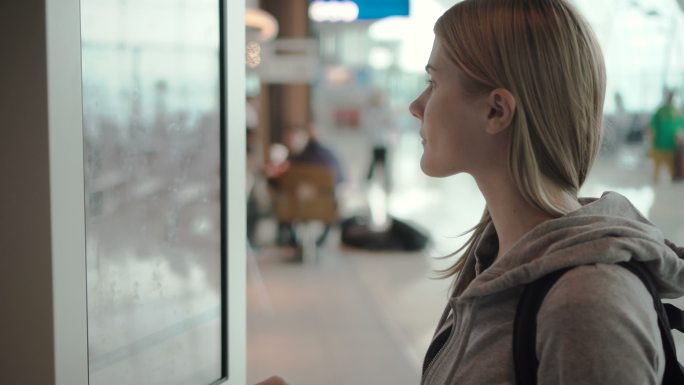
357 317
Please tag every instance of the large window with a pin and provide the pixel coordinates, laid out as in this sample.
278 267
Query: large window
153 191
643 44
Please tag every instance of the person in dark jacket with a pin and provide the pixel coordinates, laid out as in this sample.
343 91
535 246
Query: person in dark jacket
305 148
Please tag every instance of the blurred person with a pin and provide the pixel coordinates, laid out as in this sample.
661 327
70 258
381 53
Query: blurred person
256 197
306 148
622 125
663 130
257 191
379 125
303 148
515 99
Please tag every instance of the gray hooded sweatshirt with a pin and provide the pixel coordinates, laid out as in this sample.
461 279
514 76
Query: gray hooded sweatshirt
596 326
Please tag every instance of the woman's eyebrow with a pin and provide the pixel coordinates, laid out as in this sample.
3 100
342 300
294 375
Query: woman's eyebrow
430 68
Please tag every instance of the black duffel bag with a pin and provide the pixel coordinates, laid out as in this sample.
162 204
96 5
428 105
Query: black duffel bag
399 235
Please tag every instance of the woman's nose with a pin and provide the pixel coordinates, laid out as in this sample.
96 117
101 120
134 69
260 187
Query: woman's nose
416 108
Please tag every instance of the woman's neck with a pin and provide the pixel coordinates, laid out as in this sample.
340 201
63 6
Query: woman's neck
512 215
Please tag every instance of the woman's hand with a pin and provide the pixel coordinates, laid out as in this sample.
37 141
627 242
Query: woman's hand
275 380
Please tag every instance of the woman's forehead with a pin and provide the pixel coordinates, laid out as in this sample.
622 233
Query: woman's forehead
435 54
438 60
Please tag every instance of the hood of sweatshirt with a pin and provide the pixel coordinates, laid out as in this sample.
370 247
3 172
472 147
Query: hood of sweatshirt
605 230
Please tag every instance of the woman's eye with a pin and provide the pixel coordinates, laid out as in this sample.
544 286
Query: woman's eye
429 82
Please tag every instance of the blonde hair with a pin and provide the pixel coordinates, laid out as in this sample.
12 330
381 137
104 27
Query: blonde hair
547 56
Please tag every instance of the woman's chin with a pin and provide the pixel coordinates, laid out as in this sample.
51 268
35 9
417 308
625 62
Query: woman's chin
430 170
433 170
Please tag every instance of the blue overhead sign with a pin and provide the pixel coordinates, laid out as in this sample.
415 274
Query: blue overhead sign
375 9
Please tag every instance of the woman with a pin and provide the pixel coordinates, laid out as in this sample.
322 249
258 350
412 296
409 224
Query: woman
515 99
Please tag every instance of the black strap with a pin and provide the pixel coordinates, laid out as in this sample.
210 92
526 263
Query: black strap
525 327
676 316
674 372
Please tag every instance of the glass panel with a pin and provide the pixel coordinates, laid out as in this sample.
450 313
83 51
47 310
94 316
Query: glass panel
152 164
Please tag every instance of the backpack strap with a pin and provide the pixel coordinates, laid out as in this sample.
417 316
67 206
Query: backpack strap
675 315
674 371
525 326
525 360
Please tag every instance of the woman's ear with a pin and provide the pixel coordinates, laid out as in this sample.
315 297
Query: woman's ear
501 104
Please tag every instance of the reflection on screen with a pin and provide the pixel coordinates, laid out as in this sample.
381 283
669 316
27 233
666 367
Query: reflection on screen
152 187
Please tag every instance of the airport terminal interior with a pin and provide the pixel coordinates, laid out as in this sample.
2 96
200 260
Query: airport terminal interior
356 316
322 307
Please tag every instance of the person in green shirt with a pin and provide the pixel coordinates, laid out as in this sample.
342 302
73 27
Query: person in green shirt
664 127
